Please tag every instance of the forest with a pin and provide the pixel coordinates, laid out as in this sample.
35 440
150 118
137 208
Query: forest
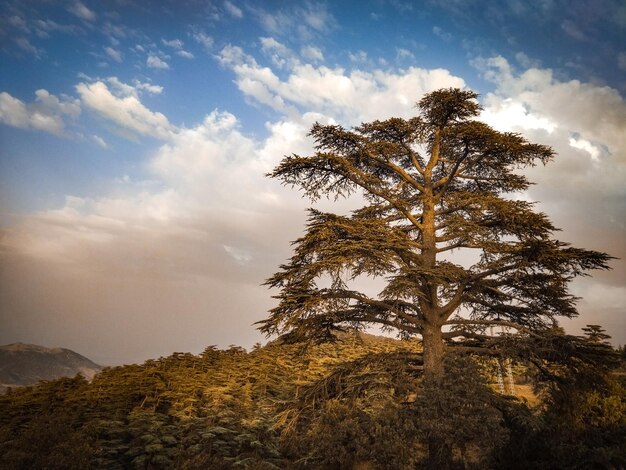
359 402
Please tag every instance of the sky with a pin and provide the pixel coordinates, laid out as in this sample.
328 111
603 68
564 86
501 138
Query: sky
135 217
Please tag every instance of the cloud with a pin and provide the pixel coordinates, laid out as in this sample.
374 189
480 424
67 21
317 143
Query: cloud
582 144
116 32
46 113
25 45
312 53
307 21
43 27
203 39
124 89
81 11
19 23
177 45
526 61
359 56
571 29
595 112
185 54
149 87
233 10
350 97
113 54
507 114
174 43
156 62
199 239
99 141
440 33
582 190
277 52
403 54
121 105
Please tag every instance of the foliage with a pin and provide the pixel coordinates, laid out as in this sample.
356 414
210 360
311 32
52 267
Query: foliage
360 402
459 413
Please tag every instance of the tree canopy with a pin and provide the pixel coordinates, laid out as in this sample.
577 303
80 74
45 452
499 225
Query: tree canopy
433 185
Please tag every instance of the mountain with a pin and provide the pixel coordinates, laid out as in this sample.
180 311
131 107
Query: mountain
26 364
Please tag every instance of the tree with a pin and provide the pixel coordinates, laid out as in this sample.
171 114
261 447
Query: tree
596 334
433 185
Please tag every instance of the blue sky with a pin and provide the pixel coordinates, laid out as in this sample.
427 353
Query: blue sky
134 214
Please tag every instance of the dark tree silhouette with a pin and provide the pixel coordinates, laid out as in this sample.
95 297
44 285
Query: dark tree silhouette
433 184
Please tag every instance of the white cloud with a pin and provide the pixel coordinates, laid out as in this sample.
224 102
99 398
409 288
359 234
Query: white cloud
18 22
241 256
205 40
507 114
46 113
201 238
403 54
442 34
115 32
80 10
26 45
195 153
582 144
43 28
597 113
156 62
317 16
306 21
571 29
526 61
124 89
177 45
278 53
350 97
113 54
149 87
174 43
100 141
233 10
209 209
359 56
312 53
122 106
185 54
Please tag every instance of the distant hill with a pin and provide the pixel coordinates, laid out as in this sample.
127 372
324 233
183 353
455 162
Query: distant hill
26 364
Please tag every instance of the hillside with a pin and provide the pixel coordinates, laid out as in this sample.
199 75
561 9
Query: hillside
357 403
26 364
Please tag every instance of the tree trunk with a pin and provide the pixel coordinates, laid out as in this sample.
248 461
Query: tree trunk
433 351
439 452
439 455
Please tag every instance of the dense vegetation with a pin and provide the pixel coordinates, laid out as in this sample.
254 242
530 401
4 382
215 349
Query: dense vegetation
348 404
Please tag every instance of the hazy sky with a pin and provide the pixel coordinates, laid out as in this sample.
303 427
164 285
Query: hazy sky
135 219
